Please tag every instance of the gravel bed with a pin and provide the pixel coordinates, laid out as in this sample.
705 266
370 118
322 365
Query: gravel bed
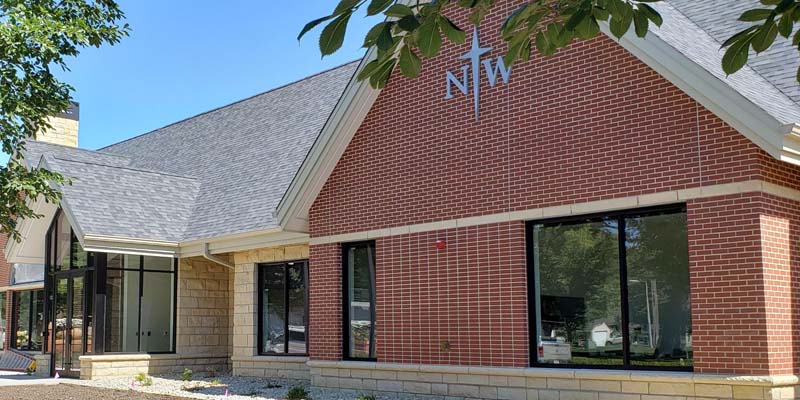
223 387
75 392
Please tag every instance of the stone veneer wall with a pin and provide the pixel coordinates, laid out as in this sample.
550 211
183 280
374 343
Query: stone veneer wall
63 131
204 312
246 360
413 381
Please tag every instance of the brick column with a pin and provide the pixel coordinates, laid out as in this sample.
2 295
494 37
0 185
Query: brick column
325 298
741 273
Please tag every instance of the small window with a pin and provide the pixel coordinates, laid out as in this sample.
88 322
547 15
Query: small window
282 308
632 311
359 300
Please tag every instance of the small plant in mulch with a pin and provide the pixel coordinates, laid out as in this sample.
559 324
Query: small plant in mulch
365 397
217 382
186 375
297 393
142 379
273 385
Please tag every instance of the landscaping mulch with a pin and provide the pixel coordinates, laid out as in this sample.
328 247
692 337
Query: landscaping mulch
75 392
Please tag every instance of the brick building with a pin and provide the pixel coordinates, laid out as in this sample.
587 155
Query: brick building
619 221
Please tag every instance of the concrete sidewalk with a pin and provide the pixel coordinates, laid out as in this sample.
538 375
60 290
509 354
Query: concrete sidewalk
8 378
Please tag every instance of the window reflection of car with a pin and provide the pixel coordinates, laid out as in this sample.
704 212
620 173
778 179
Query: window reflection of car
554 350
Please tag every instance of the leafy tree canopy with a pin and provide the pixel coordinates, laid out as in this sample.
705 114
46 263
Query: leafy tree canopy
37 36
412 30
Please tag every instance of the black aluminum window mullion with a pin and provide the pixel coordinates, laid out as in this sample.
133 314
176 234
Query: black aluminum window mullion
623 291
305 295
286 308
141 293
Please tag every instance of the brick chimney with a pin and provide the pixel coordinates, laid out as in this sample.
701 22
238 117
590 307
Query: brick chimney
64 128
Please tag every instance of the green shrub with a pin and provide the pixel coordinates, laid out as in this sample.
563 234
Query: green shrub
186 375
216 381
365 397
297 393
142 379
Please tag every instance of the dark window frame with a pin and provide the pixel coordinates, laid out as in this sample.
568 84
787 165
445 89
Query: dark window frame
141 270
619 217
260 309
15 323
345 248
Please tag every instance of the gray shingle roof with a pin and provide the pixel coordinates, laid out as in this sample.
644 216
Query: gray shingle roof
224 171
218 173
113 200
698 28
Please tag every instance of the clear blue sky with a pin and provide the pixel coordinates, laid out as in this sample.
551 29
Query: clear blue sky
184 57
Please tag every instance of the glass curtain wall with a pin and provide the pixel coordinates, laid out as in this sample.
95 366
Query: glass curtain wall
133 297
140 304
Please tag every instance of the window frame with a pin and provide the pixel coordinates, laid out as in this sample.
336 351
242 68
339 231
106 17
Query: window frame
260 317
619 217
15 323
141 271
345 248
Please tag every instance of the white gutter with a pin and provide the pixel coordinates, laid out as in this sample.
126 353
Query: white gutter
210 257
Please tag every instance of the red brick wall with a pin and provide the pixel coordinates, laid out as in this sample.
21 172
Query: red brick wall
471 295
780 236
727 285
591 123
5 280
5 267
325 302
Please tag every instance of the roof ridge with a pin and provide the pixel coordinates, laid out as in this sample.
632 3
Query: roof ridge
121 167
67 147
283 86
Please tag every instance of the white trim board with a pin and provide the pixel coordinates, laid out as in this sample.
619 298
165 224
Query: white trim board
623 203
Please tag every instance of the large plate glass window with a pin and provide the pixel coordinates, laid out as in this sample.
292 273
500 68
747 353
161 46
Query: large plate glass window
612 291
359 300
282 305
140 304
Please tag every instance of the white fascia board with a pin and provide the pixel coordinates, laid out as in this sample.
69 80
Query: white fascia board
347 116
252 241
791 145
712 93
109 244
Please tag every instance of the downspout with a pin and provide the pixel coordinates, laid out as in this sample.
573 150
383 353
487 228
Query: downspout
210 257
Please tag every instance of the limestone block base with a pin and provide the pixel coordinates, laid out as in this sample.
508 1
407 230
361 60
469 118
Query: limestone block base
433 382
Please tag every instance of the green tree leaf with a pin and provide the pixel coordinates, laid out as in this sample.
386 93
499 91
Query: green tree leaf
451 31
765 37
345 6
428 39
399 11
640 24
736 56
333 34
378 6
409 62
311 25
755 15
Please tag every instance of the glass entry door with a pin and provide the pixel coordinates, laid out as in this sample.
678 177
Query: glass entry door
69 322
